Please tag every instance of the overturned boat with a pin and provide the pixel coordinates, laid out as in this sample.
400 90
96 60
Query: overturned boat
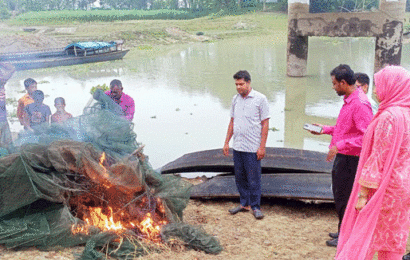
286 173
76 53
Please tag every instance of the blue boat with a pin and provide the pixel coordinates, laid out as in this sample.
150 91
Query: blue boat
75 53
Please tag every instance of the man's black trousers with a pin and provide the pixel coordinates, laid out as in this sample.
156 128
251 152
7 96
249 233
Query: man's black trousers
343 174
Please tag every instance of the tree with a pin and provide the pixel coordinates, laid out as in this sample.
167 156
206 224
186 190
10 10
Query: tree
326 6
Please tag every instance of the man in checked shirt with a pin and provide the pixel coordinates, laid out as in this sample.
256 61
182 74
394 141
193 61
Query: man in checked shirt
249 127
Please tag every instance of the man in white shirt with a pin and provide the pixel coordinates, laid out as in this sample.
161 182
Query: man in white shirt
249 127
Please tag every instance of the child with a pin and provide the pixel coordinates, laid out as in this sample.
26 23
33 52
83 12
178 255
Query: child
36 113
60 115
30 85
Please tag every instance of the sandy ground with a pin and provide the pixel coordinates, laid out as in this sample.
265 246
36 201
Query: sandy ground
290 230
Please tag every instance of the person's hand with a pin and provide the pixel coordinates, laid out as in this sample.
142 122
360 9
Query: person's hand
331 154
225 150
316 133
361 202
260 153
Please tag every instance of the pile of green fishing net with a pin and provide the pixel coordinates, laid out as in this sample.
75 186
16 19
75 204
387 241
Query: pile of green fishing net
57 171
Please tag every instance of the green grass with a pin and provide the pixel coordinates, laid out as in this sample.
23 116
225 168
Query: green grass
81 16
224 27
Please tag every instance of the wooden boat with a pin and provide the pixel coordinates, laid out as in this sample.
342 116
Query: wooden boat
286 173
76 53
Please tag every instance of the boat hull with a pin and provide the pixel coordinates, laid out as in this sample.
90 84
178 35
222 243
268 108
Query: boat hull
276 160
286 173
310 186
64 60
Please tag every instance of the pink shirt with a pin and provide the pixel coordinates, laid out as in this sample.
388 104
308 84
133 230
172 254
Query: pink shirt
353 119
127 105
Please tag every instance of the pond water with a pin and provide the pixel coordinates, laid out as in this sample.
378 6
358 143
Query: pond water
183 93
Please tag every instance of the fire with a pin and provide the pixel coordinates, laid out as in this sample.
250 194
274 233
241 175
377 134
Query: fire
105 222
101 163
102 159
111 209
97 218
148 227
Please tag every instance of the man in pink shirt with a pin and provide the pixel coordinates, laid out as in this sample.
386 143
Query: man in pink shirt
347 136
126 102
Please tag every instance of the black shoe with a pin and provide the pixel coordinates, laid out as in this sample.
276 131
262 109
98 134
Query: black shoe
406 257
334 235
332 242
257 213
237 209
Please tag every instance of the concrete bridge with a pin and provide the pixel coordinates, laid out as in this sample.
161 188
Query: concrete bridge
385 24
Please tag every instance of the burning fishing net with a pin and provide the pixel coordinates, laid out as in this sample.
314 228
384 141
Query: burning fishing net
87 182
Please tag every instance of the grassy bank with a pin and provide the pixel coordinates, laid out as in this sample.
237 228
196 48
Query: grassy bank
143 34
82 16
151 32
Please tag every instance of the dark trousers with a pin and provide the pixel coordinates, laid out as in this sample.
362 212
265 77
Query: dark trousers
343 174
248 178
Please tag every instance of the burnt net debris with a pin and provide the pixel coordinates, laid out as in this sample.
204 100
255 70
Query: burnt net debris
86 182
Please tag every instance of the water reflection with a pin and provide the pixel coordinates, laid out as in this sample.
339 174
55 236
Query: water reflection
183 95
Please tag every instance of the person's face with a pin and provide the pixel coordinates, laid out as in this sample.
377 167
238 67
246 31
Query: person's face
59 105
32 88
243 87
364 87
116 92
339 86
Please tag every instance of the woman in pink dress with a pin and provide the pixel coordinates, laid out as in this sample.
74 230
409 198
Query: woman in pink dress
377 217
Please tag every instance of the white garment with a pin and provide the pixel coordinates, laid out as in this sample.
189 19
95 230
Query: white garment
248 114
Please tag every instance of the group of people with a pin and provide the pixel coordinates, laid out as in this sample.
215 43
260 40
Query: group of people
370 154
32 112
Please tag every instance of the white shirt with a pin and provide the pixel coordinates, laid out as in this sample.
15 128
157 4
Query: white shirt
248 114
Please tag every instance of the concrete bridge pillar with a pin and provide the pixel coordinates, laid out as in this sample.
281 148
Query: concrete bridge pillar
389 42
297 51
385 24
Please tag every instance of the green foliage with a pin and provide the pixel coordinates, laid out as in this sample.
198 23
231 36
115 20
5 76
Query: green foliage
103 87
326 6
11 101
71 16
4 13
43 82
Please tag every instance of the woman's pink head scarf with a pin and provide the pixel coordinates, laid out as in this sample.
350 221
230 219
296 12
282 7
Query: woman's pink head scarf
392 87
393 90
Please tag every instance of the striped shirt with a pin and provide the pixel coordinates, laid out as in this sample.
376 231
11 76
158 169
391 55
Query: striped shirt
248 114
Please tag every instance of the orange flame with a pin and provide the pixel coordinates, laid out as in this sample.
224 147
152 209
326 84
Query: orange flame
101 163
102 159
99 220
148 228
105 222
